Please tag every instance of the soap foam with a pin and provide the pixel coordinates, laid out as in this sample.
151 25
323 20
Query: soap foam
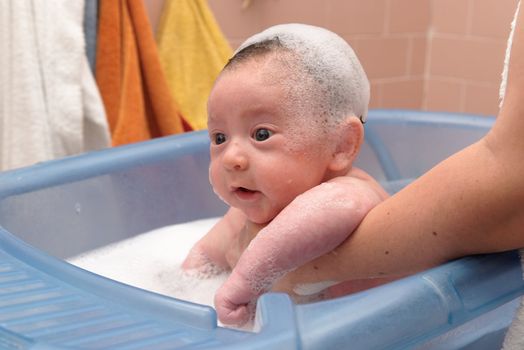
153 260
329 60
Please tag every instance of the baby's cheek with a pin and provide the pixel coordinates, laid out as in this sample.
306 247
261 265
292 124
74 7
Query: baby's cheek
285 187
216 184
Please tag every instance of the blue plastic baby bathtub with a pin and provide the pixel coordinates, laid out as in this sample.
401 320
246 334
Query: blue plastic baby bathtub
60 208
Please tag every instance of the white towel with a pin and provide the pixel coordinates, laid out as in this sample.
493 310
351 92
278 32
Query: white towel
50 106
502 91
515 337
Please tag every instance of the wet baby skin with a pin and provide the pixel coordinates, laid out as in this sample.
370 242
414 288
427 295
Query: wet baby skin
264 154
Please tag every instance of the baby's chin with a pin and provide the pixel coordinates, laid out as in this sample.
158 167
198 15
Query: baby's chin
260 220
258 217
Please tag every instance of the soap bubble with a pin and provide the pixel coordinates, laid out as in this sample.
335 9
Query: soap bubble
328 75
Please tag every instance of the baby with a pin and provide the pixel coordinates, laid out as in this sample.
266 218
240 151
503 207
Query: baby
285 119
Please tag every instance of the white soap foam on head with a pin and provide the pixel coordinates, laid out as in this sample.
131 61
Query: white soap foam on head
152 261
330 60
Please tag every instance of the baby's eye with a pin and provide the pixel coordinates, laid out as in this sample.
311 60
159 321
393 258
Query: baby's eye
262 134
219 138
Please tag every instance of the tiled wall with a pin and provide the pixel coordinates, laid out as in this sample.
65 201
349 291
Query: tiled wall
466 54
421 54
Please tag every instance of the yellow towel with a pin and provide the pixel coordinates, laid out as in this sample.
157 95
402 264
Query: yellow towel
192 51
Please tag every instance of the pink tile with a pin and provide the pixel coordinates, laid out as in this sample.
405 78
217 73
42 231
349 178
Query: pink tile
442 95
450 16
376 95
383 57
482 99
355 16
293 11
353 41
466 41
492 18
479 60
417 60
408 16
235 43
403 94
235 22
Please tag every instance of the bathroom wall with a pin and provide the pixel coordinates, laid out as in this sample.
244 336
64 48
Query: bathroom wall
465 54
421 54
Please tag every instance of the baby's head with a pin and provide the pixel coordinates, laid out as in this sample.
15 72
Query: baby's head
284 116
329 75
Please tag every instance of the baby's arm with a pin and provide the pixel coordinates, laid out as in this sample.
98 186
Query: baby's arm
209 253
271 254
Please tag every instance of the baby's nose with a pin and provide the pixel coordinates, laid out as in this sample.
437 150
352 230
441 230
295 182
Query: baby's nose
235 158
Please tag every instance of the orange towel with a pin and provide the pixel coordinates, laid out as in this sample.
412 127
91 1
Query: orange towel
133 86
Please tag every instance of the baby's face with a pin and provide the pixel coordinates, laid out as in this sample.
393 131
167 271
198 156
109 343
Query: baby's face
262 155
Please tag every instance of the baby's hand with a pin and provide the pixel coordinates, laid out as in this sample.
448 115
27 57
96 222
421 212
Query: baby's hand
195 259
197 262
235 301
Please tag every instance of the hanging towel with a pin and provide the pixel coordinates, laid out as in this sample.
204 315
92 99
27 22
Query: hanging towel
130 77
49 102
193 51
515 336
90 30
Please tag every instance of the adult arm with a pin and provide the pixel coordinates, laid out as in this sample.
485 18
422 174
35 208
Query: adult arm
471 203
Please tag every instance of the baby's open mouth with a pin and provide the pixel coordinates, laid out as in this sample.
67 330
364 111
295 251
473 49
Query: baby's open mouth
245 193
243 189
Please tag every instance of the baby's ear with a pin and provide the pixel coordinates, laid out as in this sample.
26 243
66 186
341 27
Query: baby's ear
351 136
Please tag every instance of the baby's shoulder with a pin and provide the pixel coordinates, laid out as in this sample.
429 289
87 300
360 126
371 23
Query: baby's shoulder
359 180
